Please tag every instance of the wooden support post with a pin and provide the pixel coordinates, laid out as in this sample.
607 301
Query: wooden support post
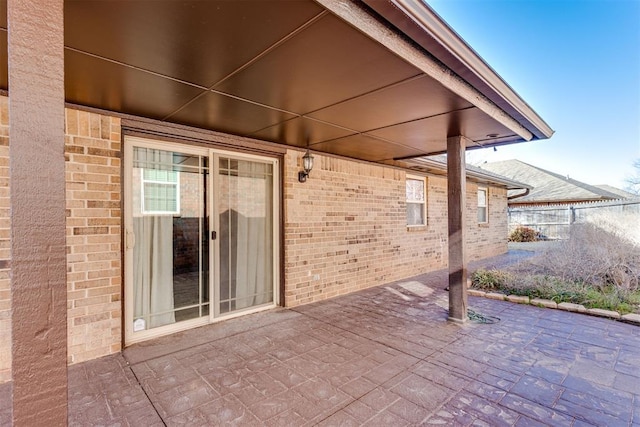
37 197
456 194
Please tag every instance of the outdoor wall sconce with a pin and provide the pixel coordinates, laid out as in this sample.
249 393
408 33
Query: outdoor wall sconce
307 165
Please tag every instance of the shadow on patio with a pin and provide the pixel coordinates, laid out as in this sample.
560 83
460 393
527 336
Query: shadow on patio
382 356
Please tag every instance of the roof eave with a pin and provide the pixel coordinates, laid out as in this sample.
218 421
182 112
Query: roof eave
425 27
429 165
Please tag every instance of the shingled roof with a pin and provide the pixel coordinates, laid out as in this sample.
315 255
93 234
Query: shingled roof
548 187
437 165
621 193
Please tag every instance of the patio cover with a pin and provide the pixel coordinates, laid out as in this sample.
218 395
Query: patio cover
376 80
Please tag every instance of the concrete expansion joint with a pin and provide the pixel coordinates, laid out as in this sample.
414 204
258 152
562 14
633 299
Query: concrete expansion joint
144 390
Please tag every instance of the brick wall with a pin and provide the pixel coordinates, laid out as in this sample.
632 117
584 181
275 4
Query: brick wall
92 152
485 240
345 228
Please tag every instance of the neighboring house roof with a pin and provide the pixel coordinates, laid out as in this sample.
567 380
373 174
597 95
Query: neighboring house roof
437 165
376 81
611 189
547 187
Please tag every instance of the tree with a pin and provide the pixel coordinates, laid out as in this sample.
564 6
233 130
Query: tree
633 181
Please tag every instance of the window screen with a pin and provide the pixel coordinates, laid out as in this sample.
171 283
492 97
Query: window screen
160 191
482 205
416 201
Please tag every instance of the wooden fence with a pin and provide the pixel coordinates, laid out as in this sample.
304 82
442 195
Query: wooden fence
554 222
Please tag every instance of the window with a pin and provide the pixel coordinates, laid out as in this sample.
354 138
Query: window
416 201
482 205
160 191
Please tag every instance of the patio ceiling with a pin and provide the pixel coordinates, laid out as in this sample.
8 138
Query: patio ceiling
288 72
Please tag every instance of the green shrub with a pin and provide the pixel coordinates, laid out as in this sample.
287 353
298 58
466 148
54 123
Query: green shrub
548 287
634 298
610 298
557 289
524 234
491 280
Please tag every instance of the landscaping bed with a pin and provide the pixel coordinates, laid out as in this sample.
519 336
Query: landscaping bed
598 268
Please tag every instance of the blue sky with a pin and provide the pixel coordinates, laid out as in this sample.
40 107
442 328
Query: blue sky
577 64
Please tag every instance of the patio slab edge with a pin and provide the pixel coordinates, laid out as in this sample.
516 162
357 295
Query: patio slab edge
632 318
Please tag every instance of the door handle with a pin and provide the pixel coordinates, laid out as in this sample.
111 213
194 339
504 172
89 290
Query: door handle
130 239
214 235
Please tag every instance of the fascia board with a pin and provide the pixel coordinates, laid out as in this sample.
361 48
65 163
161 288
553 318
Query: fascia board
425 27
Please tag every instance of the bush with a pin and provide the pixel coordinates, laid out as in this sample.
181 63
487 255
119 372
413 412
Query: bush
524 234
597 267
491 280
595 256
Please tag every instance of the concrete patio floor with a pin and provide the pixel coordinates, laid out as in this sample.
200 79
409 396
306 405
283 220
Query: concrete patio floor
385 356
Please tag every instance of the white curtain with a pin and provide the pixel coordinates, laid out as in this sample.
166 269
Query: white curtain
252 267
153 253
251 235
153 270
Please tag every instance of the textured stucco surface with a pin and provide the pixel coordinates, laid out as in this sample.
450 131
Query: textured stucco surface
38 284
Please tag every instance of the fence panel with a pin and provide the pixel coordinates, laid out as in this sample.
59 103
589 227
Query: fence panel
554 222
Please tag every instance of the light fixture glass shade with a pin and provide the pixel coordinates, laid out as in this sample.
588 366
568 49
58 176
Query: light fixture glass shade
307 162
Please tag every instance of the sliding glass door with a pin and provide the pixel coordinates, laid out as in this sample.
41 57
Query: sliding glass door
170 225
245 209
183 266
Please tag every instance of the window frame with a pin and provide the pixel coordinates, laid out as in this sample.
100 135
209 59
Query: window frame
144 181
129 192
485 206
422 179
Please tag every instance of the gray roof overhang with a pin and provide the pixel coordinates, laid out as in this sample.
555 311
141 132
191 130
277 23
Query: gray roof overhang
437 165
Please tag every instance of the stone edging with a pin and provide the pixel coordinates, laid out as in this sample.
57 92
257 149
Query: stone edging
633 318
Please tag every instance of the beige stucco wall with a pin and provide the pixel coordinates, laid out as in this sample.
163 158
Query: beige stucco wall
5 245
344 229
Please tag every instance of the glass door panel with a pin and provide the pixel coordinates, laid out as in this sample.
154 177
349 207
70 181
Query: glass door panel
171 229
245 209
